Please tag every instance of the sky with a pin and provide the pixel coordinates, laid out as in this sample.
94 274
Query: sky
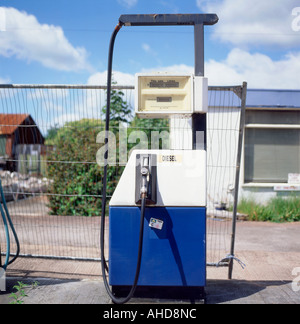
66 41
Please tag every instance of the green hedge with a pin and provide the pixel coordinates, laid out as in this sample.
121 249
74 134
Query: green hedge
77 180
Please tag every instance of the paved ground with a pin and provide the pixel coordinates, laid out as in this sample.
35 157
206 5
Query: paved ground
271 253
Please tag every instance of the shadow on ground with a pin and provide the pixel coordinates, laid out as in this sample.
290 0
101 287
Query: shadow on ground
63 291
242 291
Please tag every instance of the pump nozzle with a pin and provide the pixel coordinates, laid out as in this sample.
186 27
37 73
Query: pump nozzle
145 180
145 177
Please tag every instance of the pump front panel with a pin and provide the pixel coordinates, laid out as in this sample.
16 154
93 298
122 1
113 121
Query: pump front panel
174 242
181 179
174 251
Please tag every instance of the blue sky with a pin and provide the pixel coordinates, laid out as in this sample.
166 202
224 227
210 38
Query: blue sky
66 41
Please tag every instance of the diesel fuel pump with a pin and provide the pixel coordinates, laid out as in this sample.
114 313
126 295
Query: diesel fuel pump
157 213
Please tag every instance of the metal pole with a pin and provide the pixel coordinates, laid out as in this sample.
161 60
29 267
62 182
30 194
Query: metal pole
199 120
237 176
199 49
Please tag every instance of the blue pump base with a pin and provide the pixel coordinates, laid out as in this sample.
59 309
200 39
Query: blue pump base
193 294
173 256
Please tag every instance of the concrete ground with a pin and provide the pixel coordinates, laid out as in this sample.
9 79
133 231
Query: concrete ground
271 253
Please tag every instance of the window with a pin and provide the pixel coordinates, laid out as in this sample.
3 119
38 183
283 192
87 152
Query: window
272 146
2 145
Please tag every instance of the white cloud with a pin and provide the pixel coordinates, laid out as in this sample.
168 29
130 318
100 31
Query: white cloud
178 68
100 78
2 20
253 22
259 70
128 3
27 39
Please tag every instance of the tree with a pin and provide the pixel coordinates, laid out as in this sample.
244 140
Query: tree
119 108
51 134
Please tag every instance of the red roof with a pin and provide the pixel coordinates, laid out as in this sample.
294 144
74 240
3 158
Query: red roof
10 122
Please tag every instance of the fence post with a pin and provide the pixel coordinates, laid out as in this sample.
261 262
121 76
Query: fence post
237 177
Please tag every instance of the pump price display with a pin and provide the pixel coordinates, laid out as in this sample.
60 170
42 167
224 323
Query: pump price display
164 94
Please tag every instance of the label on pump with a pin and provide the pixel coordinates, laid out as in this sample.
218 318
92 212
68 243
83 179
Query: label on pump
170 158
156 223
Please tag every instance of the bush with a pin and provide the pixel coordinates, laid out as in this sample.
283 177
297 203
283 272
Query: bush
77 181
277 210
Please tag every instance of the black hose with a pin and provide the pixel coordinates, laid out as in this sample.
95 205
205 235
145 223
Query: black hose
104 266
104 183
5 215
138 267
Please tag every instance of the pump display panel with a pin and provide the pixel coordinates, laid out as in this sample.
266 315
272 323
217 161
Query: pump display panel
162 95
165 94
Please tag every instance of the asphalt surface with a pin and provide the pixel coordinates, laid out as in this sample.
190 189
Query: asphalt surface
271 275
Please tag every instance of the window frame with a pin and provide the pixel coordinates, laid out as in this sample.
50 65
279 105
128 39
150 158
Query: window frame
264 126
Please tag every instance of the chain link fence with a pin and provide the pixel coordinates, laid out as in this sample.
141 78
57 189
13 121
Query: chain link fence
52 180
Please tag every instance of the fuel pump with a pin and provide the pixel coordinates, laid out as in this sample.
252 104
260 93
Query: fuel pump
157 214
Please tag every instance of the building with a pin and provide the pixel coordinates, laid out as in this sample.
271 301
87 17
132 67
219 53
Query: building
271 150
270 164
18 132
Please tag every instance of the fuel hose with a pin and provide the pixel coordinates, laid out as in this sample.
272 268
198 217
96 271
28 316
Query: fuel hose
104 266
7 222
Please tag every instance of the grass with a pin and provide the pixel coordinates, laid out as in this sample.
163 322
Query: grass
277 210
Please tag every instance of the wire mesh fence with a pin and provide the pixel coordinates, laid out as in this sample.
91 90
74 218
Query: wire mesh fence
224 145
50 150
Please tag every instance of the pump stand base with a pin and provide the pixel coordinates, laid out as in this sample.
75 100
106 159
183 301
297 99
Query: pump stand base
167 294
